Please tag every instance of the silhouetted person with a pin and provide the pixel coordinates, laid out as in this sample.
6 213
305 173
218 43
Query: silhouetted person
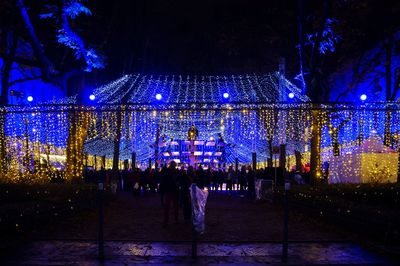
251 187
220 177
170 192
200 176
229 179
242 179
162 177
207 175
185 181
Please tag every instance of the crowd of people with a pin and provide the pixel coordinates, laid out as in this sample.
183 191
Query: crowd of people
142 181
150 180
173 183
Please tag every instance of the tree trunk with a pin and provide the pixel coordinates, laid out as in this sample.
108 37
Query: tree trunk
315 156
335 142
388 79
398 163
271 154
103 162
45 64
300 5
3 142
5 76
157 147
299 164
10 48
78 123
133 165
4 101
387 139
117 142
282 156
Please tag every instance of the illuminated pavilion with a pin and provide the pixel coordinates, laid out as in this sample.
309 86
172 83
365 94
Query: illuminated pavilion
143 119
161 109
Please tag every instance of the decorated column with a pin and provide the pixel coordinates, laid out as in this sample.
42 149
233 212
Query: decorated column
254 160
316 131
78 122
157 147
117 142
103 161
95 162
133 164
236 165
3 153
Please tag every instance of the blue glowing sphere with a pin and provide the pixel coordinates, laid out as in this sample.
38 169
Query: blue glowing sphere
363 97
92 97
158 96
226 95
29 98
291 95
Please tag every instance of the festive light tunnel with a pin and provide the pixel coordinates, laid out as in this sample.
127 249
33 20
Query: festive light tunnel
251 119
175 103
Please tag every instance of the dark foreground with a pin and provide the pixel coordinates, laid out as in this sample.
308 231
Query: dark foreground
227 219
125 253
238 231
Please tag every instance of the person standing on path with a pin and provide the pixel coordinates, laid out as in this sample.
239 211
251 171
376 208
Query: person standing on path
185 181
170 191
229 179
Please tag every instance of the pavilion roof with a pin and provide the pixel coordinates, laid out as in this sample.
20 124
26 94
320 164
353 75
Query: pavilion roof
179 89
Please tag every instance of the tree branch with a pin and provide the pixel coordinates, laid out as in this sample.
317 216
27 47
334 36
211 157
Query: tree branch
12 83
22 60
46 65
396 84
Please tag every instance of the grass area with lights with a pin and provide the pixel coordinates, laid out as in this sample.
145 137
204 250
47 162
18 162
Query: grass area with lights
369 210
25 207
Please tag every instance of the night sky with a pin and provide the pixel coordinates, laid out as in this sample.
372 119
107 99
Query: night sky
211 37
222 37
206 37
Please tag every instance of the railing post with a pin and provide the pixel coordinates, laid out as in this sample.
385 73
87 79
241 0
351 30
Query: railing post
194 233
285 222
100 191
194 243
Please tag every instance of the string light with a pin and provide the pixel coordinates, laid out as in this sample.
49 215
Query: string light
252 121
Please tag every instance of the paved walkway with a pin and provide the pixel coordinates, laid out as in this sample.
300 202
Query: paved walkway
157 253
227 219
